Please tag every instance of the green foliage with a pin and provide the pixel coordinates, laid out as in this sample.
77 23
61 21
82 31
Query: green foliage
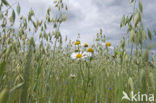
46 72
16 87
2 67
26 75
4 94
1 15
5 2
130 82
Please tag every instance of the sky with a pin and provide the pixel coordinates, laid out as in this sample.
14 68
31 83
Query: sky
88 16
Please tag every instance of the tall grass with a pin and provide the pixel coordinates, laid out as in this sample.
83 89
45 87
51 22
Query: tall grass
46 73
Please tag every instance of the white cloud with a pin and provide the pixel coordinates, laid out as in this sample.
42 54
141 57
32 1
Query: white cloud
87 17
39 1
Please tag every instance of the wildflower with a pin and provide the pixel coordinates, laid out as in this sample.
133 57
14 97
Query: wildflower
108 44
110 88
108 47
79 55
87 54
72 75
85 45
73 55
76 55
91 50
77 43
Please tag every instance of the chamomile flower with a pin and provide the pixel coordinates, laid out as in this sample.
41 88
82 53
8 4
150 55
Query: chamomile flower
90 50
77 43
76 55
85 45
87 54
72 76
108 44
108 47
73 55
79 56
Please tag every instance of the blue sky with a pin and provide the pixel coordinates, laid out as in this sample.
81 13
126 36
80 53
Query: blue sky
88 16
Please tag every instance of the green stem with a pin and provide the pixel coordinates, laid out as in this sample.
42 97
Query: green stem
81 71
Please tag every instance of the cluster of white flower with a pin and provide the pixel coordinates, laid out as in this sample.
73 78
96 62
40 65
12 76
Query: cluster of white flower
82 54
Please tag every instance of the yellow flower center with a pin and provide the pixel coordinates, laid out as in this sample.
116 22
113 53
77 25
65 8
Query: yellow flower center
90 50
85 45
77 43
108 44
79 55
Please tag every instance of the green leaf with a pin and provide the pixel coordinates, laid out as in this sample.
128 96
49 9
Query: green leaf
17 87
149 34
4 94
1 15
18 9
5 2
152 79
140 7
130 82
141 74
2 66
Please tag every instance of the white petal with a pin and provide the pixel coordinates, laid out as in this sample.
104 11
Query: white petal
73 55
111 47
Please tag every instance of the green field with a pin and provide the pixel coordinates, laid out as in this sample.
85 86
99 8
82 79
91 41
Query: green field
65 71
